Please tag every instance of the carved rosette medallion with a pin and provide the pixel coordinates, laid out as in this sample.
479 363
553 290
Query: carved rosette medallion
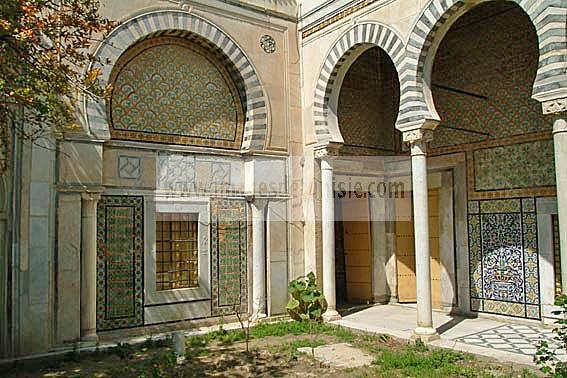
268 44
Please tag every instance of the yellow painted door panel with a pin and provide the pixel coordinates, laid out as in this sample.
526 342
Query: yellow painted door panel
357 246
405 248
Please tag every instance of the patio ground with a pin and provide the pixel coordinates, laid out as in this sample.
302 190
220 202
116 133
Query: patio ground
509 341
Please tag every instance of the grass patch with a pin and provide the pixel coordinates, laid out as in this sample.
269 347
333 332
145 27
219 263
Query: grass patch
418 361
300 328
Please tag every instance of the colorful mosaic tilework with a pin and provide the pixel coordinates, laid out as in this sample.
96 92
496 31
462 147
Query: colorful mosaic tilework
228 248
120 262
503 257
525 165
169 90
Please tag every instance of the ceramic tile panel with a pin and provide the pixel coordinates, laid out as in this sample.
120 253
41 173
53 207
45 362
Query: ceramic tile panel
228 250
503 258
517 166
120 250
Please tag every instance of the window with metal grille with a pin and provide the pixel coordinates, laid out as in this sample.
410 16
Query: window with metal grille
176 251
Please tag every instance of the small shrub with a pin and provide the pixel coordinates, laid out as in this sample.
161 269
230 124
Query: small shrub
420 346
307 301
74 355
123 350
163 365
546 356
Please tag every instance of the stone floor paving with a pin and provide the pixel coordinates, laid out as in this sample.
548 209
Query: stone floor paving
510 341
513 338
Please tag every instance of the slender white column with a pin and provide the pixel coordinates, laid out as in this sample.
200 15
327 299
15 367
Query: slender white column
560 143
259 296
88 266
418 144
328 223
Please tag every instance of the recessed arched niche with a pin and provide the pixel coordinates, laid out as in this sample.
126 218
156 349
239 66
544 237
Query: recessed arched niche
176 90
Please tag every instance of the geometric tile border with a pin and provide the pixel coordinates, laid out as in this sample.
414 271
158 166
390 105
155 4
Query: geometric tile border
228 252
522 339
120 250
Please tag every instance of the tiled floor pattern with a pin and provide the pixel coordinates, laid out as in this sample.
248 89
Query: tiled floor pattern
513 338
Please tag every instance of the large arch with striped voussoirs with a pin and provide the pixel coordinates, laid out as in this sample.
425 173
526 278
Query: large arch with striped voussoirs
342 54
549 18
183 24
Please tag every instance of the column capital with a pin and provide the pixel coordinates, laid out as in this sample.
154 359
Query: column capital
258 202
91 196
560 126
555 106
418 140
328 151
418 136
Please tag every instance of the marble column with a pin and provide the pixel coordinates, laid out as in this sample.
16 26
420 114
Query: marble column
328 224
259 293
560 145
88 266
418 140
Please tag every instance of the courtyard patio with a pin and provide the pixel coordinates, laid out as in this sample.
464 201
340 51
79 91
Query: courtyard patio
505 339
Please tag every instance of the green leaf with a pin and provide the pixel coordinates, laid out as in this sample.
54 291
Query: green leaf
292 304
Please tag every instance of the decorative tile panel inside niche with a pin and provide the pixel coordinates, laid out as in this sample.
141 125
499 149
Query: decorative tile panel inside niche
228 251
120 253
503 257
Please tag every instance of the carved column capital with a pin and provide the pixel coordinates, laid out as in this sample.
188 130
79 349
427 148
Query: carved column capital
555 106
418 140
325 152
418 136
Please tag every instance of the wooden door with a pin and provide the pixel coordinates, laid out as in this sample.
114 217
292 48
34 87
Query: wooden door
405 248
357 247
405 252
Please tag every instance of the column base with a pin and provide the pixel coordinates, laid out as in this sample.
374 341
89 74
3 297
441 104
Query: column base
331 316
426 334
90 338
257 317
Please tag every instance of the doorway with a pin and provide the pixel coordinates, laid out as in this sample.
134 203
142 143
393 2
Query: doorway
405 248
354 246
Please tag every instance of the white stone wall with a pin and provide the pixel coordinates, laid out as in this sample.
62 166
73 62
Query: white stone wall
34 252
